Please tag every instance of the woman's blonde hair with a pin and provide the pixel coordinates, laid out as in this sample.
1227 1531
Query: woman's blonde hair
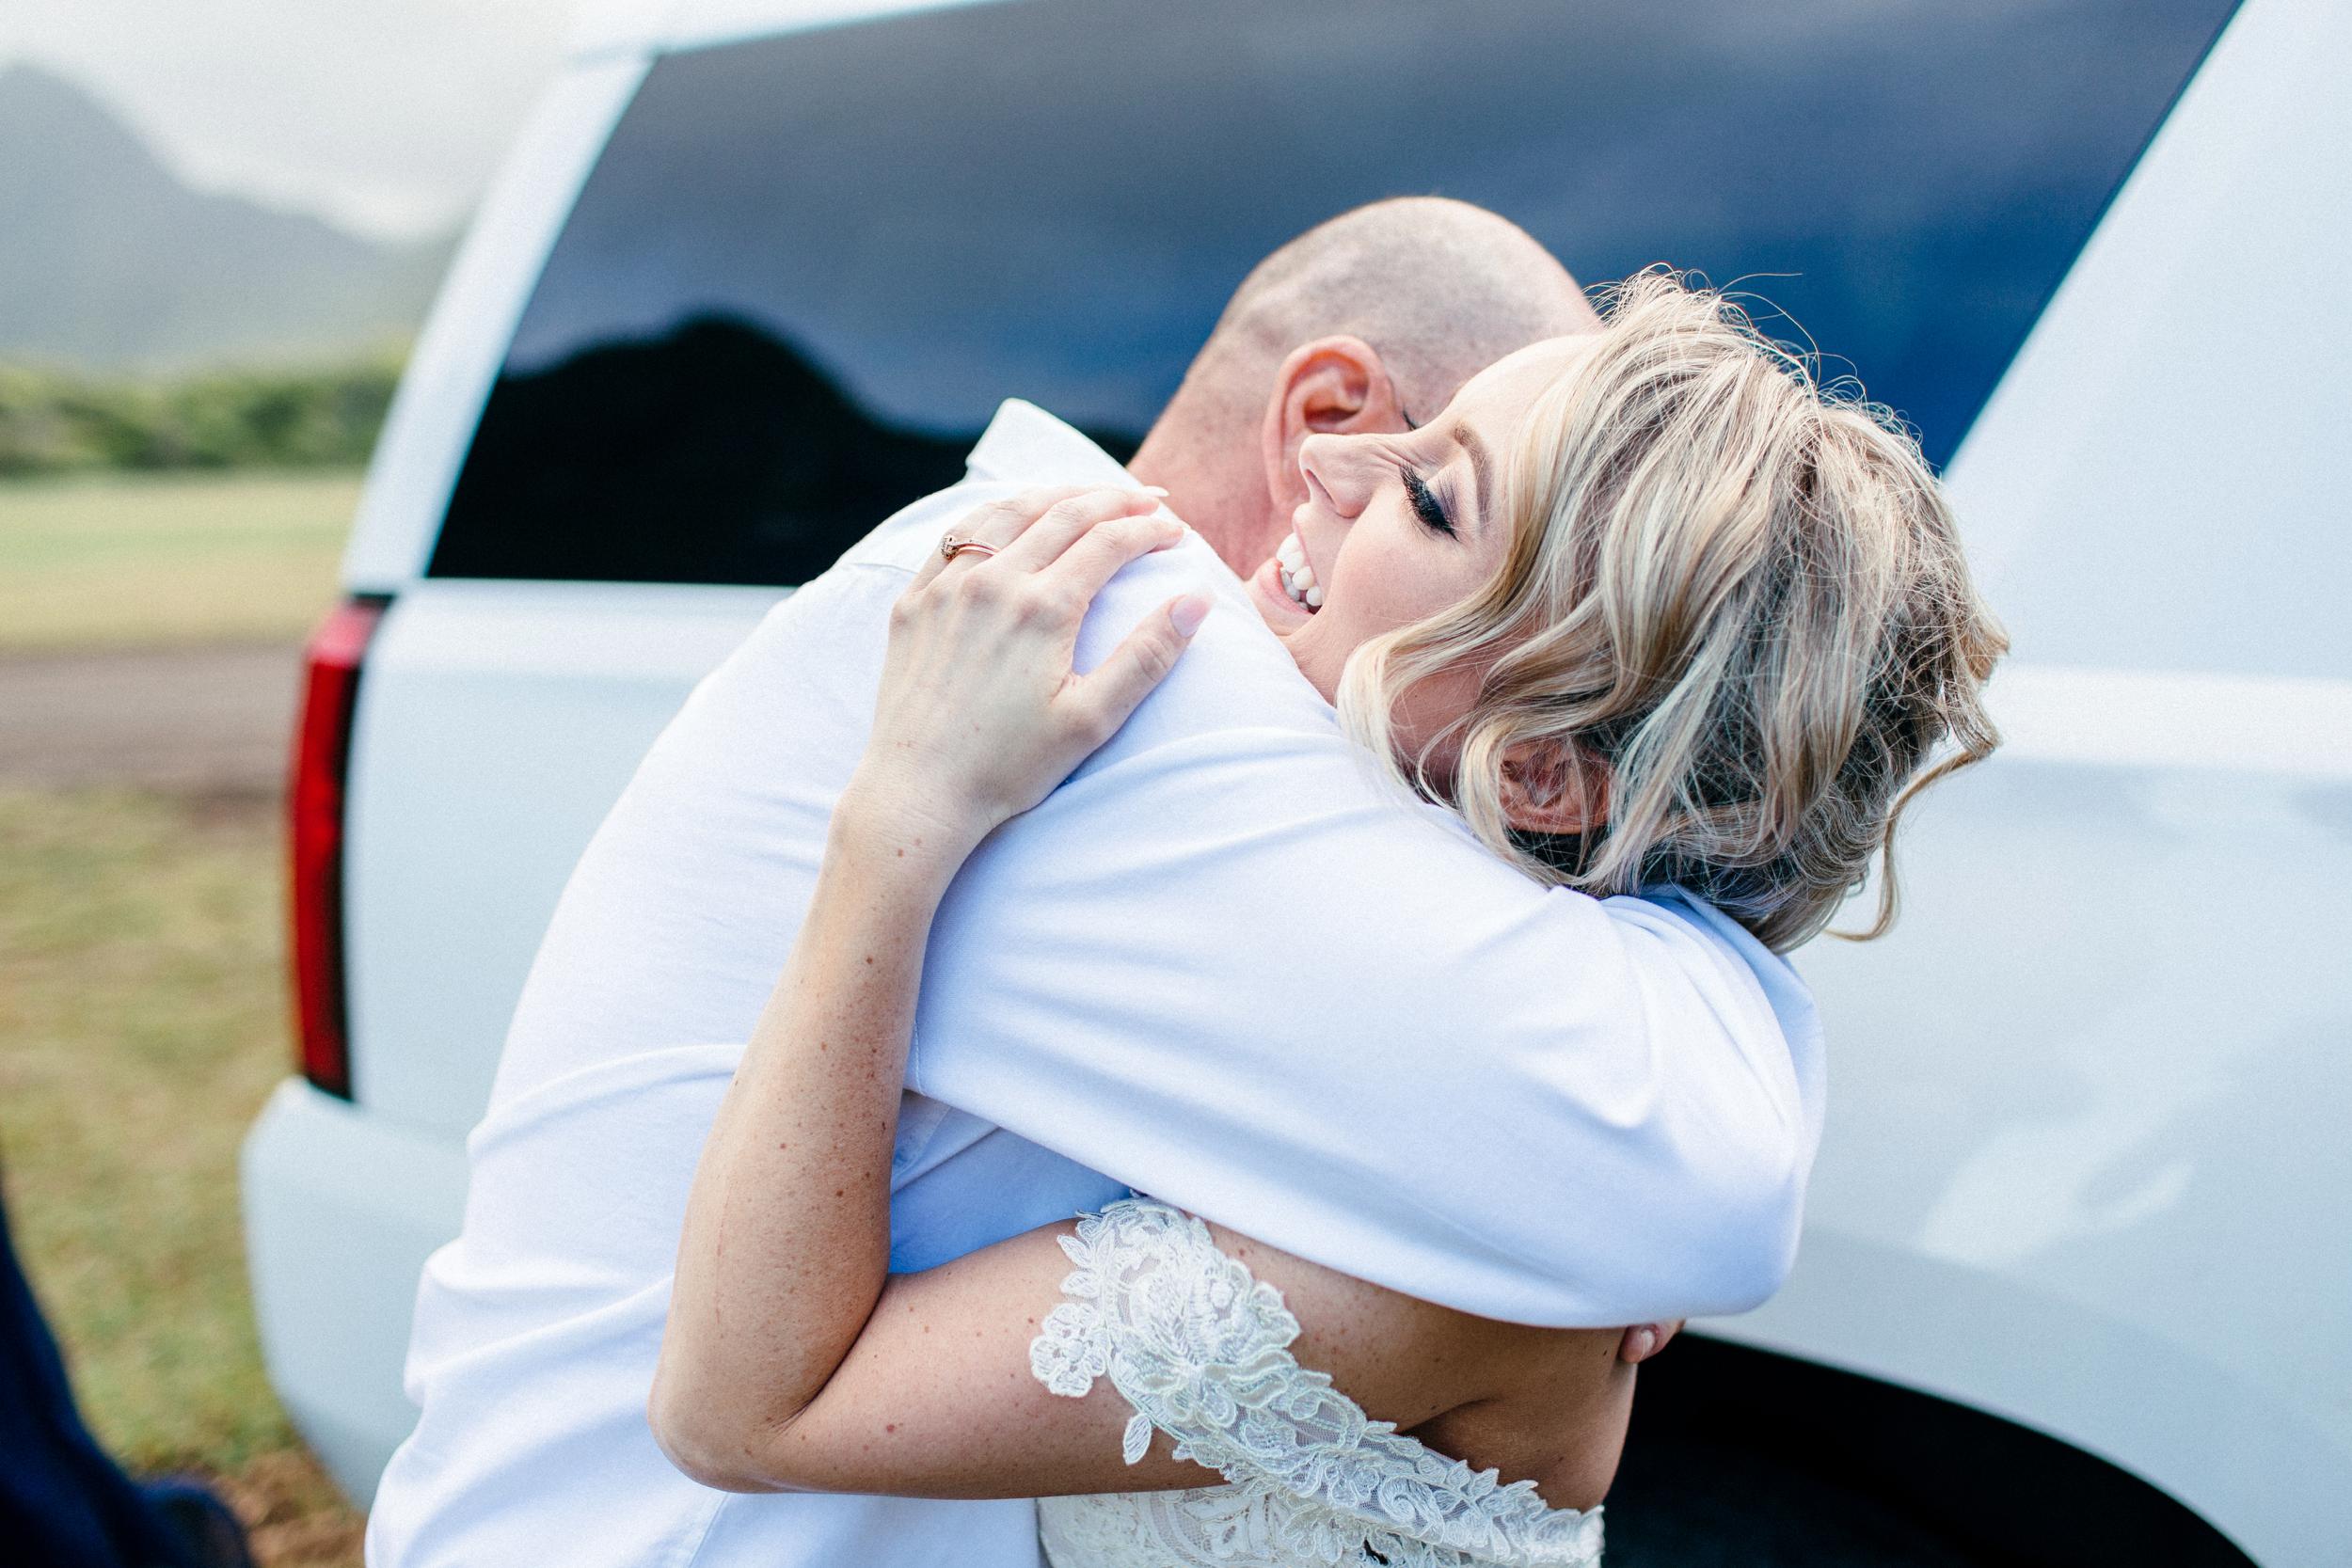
1740 591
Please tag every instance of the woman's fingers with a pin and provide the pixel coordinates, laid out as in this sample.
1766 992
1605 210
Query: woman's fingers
1037 529
1095 556
1644 1340
1118 685
998 525
1069 519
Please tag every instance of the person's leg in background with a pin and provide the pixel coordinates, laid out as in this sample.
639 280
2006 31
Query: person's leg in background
64 1503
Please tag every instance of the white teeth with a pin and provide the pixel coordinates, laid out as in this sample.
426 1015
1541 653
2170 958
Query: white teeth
1297 577
1293 555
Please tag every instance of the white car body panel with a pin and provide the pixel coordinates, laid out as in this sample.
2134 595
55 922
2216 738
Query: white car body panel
2084 1166
2284 726
342 1208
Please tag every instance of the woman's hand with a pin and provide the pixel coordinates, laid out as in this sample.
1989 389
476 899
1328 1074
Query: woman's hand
980 714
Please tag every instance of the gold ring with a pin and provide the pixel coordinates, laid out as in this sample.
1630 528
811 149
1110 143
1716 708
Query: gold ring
954 546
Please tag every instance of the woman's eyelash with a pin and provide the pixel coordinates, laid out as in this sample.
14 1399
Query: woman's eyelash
1426 505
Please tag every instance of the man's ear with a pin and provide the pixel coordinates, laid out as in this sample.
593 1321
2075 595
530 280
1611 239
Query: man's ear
1555 786
1331 385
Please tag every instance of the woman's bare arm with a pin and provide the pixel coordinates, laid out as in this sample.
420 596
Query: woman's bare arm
935 1397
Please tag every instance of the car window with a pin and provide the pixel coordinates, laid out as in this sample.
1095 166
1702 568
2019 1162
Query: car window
806 268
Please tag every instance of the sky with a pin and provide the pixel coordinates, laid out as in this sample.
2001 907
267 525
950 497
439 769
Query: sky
385 116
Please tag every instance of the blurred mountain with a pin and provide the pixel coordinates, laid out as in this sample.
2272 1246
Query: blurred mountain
106 260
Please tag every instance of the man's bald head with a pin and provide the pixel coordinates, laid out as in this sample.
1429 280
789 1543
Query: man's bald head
1442 289
1435 289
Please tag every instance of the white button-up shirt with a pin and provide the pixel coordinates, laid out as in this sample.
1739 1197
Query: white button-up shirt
1225 964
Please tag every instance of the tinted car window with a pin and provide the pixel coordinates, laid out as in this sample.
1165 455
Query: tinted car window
807 268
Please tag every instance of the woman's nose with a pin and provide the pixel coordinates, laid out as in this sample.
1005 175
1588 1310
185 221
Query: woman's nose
1335 472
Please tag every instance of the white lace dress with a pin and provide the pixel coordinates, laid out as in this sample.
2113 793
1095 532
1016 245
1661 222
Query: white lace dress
1199 1350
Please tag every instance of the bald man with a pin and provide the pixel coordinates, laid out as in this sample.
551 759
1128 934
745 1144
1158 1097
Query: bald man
1222 965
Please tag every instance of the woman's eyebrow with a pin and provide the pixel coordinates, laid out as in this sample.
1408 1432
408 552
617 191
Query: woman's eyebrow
1481 464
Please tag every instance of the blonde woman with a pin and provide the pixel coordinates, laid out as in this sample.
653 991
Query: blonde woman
1645 607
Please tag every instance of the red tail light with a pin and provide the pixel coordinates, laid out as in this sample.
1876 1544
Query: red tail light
314 808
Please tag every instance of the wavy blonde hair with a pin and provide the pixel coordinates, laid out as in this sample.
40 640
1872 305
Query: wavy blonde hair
1737 589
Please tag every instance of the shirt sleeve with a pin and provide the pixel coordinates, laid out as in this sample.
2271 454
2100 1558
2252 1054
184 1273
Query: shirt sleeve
1227 965
1199 1350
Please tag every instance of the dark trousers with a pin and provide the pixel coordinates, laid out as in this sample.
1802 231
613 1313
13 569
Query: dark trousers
63 1503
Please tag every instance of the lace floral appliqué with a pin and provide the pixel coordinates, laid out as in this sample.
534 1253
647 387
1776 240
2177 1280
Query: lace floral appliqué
1199 1350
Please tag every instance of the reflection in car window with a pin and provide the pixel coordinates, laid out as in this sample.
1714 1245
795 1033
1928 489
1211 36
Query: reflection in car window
807 268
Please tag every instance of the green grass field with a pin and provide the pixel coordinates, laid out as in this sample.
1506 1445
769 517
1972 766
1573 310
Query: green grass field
143 1012
115 561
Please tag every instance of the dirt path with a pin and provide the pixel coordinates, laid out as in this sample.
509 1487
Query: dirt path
209 720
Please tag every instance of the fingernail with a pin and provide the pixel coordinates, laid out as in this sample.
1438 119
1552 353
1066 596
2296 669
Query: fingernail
1187 613
1152 490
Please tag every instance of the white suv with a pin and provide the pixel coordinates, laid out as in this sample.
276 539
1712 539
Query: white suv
2077 1285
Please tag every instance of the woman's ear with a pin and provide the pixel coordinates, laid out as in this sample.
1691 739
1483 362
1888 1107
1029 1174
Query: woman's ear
1555 786
1335 385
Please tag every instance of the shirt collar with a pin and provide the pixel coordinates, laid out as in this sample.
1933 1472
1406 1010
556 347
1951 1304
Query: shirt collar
1025 445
